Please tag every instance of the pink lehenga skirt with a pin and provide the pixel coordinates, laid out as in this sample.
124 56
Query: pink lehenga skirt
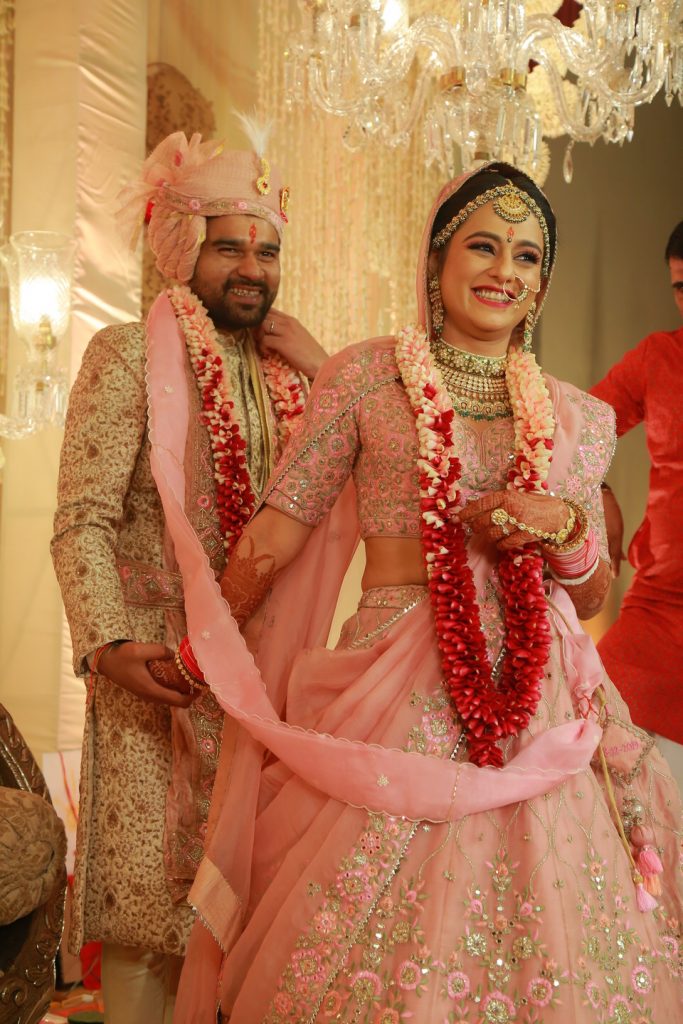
526 913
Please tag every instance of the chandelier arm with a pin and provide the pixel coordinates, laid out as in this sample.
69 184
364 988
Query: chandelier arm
591 78
593 65
575 49
432 32
321 96
572 125
403 126
14 428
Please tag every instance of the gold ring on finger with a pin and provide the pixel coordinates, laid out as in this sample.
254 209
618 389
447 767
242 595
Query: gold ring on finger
499 517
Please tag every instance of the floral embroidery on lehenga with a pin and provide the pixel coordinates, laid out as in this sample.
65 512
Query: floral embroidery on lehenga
508 948
357 890
391 964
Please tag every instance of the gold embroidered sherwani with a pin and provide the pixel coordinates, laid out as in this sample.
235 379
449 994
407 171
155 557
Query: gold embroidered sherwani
141 821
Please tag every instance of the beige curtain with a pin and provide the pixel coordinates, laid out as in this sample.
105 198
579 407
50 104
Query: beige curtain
78 132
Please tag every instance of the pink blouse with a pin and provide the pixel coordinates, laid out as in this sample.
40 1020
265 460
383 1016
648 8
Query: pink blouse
358 421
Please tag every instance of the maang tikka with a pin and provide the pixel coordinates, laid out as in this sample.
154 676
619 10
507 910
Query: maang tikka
436 304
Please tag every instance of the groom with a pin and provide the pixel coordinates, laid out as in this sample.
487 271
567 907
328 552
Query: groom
215 221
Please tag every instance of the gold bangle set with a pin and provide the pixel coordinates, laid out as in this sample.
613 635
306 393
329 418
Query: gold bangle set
576 540
562 540
195 684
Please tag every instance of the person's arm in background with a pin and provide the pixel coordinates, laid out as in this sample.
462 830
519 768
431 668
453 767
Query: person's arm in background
614 524
623 387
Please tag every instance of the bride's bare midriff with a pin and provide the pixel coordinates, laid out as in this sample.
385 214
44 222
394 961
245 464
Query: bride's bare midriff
393 562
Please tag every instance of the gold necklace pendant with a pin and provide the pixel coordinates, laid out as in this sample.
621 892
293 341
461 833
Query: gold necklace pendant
475 384
468 362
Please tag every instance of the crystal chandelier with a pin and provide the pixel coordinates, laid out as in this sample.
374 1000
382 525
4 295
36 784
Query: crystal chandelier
39 269
492 79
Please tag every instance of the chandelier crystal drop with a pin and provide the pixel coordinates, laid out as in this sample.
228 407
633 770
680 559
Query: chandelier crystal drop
491 80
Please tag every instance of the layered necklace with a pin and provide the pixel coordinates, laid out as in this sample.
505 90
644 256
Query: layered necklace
489 712
476 384
235 499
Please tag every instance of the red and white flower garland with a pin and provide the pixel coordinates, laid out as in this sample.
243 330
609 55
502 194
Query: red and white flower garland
235 498
488 712
286 394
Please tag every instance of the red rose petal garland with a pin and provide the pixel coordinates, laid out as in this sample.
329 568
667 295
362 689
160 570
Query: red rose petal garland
235 499
488 712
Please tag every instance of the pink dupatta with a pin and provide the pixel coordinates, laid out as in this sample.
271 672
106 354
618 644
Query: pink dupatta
417 786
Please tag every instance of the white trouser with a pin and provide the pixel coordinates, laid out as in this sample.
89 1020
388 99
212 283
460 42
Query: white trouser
673 755
139 986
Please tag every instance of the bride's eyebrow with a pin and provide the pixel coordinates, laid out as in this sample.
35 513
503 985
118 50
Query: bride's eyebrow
498 238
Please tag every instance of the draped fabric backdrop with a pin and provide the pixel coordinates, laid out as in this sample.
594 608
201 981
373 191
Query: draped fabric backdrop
77 134
79 131
6 85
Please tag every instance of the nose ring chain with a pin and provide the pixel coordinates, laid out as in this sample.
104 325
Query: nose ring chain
521 296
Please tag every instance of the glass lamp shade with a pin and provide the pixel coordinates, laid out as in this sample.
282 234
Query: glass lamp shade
39 267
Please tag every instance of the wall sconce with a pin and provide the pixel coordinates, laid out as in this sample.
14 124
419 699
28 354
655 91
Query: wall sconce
39 267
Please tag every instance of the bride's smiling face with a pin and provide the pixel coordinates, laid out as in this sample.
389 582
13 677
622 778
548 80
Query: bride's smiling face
489 275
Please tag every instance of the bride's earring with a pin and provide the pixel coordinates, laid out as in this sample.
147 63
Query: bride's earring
436 305
529 324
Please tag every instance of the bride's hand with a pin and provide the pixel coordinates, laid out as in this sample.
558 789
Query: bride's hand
542 512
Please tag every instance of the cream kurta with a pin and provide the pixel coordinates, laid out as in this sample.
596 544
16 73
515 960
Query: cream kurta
116 570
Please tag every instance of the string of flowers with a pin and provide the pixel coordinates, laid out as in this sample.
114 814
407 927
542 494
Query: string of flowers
235 500
286 394
488 712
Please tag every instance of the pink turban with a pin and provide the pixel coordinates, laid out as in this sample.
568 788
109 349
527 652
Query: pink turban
184 183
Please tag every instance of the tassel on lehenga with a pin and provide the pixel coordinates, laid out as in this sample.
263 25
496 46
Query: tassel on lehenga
646 865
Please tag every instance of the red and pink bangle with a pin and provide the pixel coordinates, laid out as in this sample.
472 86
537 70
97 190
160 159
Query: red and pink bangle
575 567
185 655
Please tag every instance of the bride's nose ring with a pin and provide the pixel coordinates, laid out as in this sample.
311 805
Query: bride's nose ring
521 295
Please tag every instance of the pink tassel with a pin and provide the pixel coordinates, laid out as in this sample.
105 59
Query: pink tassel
644 901
649 862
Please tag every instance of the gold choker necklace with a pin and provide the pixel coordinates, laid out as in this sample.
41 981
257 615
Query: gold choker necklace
475 384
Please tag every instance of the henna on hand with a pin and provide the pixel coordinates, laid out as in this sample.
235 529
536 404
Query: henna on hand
544 512
247 578
589 597
165 672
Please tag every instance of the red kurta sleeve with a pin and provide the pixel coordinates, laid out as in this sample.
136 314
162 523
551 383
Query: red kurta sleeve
623 387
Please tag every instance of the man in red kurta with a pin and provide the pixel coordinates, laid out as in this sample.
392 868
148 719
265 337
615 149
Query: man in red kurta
643 650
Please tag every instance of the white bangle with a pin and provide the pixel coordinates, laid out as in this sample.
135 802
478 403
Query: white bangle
578 579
